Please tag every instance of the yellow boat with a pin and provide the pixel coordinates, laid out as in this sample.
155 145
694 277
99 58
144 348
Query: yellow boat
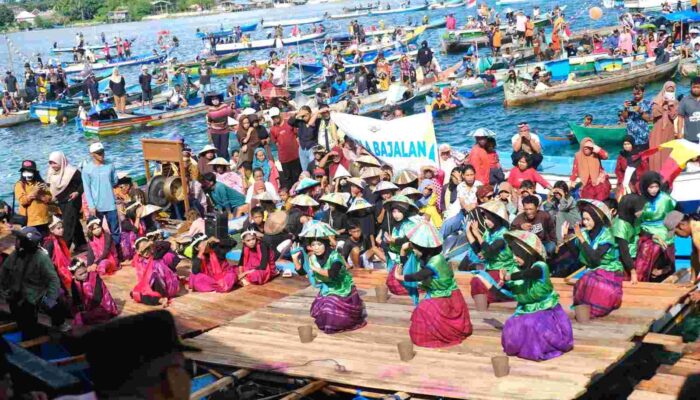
227 71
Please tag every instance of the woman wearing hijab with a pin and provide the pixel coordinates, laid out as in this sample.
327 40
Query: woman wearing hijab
540 329
589 169
257 260
629 158
338 306
441 318
248 138
449 203
601 285
118 87
400 222
665 115
66 186
655 250
492 248
625 230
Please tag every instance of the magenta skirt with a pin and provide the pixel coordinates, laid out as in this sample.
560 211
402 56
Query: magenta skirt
395 287
600 289
127 240
648 253
334 314
441 321
205 283
538 336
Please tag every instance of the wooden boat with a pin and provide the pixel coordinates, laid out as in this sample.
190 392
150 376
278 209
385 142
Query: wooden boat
595 85
606 136
221 33
228 71
212 60
291 22
652 5
354 14
360 8
369 61
56 50
448 4
14 118
409 38
143 118
135 60
399 10
52 112
225 48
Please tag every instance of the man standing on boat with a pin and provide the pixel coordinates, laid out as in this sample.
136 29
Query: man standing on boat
145 83
637 114
327 60
99 177
11 85
689 110
204 77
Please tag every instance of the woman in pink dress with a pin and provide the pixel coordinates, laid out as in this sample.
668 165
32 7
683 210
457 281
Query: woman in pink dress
156 278
102 253
211 272
625 43
257 260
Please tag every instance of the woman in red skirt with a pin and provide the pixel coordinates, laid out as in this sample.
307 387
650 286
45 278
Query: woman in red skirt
441 319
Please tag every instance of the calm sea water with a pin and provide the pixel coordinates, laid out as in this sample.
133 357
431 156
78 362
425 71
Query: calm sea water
34 141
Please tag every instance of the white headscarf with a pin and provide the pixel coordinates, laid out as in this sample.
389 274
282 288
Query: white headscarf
59 180
116 78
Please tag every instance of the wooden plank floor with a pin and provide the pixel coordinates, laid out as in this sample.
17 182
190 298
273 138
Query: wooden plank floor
267 340
668 380
200 312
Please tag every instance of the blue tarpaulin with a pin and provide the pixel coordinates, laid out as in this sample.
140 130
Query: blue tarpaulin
683 16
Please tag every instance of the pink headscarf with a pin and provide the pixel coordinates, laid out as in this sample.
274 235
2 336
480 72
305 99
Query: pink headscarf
58 180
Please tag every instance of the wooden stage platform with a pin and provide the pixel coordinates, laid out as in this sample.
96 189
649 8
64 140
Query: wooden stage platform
266 339
666 384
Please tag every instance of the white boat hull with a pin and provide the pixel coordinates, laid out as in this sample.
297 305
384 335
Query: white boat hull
291 22
13 119
266 43
651 5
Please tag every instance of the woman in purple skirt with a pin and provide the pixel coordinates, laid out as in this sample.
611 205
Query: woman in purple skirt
540 329
338 306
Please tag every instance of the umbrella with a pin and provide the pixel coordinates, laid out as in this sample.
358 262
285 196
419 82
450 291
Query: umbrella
648 26
273 92
360 207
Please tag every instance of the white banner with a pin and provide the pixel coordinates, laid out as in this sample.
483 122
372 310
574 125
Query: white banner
407 142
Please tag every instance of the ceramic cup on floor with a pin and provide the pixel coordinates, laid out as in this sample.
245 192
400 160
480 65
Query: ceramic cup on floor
406 350
306 333
382 293
583 313
500 366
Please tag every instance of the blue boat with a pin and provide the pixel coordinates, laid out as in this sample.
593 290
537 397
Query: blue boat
221 33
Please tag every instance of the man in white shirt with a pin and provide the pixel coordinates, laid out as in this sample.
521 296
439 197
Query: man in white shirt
466 201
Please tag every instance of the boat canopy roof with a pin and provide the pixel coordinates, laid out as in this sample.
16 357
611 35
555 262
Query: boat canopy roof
683 16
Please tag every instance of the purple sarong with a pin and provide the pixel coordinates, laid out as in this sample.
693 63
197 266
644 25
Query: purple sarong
127 244
538 336
600 289
335 314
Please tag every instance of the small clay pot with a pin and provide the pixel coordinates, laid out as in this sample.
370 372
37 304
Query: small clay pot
583 313
500 366
306 334
382 293
481 301
406 350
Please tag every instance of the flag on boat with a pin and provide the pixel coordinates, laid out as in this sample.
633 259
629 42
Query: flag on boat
682 151
471 3
407 142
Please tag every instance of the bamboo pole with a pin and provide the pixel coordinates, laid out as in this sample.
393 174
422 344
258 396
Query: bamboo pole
219 384
305 391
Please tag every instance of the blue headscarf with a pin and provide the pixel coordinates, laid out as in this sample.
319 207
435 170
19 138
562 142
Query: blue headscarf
264 165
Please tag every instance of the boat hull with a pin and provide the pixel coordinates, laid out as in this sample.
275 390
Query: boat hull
226 48
290 22
13 119
596 86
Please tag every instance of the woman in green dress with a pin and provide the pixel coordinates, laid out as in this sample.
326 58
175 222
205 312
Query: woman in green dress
625 230
401 220
441 318
656 254
338 306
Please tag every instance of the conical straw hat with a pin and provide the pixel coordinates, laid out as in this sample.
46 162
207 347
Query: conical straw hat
303 200
317 229
496 207
528 240
424 234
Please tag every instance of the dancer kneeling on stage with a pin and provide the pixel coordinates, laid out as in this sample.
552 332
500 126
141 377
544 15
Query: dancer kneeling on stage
257 260
441 319
156 278
211 271
540 329
338 307
92 303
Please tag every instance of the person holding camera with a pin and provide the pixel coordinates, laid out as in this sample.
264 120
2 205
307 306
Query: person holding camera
637 115
33 196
